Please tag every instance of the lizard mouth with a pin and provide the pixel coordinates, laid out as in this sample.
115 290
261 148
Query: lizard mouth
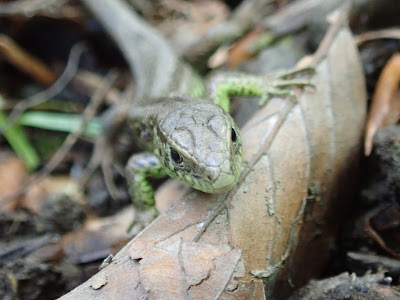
216 181
224 183
221 185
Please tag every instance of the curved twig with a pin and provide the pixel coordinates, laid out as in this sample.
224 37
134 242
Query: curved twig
27 7
57 87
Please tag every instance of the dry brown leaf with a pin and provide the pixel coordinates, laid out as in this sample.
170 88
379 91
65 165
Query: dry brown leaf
385 105
240 52
98 282
37 193
12 176
98 237
300 165
167 195
178 269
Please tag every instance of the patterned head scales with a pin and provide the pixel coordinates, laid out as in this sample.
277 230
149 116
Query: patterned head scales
202 146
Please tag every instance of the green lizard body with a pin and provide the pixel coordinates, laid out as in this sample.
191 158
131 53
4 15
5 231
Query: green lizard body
193 139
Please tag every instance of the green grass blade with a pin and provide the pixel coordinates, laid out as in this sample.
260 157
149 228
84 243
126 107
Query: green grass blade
17 139
59 122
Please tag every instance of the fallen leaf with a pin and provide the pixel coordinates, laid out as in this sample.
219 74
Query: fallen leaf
385 105
168 194
244 48
193 269
98 237
12 176
98 281
276 217
37 193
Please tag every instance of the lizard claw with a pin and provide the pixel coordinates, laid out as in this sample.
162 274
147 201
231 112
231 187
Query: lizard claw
281 83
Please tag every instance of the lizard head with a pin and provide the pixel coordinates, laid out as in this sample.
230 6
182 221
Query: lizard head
200 145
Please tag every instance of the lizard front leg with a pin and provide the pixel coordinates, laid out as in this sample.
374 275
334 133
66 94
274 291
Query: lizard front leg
223 86
140 168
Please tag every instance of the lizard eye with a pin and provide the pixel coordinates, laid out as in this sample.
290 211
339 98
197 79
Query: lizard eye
233 135
176 157
145 135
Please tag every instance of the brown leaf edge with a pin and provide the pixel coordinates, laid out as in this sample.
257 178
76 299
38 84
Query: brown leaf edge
383 101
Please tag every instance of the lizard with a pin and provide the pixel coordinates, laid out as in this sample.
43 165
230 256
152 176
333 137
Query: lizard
194 138
187 132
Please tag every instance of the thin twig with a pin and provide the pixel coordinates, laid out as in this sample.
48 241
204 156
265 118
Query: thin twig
376 236
26 62
117 115
57 87
340 20
392 33
108 178
71 139
27 7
